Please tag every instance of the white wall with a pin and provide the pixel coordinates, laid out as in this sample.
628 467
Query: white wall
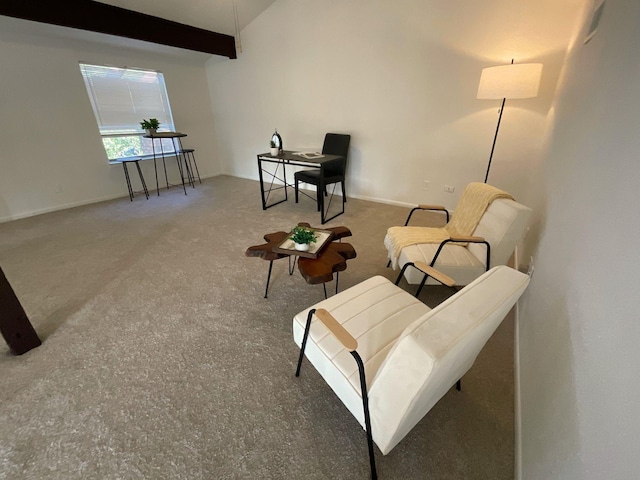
402 78
49 139
579 328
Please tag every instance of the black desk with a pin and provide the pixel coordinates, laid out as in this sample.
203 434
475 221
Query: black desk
288 157
178 149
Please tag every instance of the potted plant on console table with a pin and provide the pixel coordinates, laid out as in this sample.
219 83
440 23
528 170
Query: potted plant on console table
274 149
303 238
150 126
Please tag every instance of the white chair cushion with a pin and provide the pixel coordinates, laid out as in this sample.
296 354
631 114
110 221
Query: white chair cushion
502 225
455 261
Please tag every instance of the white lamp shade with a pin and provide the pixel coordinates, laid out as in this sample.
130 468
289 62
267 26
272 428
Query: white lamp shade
519 80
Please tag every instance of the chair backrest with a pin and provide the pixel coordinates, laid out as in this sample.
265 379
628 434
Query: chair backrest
336 144
503 225
436 350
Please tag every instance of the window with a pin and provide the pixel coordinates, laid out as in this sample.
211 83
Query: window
121 98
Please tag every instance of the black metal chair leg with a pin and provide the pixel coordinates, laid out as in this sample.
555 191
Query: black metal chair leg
126 176
404 268
304 340
144 184
268 278
324 285
337 278
422 283
367 418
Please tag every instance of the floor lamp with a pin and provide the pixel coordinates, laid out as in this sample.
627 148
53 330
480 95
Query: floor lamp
520 80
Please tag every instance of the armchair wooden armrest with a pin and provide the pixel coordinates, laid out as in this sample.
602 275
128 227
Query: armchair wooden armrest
435 208
338 331
422 206
467 239
435 274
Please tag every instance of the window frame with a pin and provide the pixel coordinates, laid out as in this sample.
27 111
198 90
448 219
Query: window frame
138 99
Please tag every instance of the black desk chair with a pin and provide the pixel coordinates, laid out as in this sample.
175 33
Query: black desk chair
332 172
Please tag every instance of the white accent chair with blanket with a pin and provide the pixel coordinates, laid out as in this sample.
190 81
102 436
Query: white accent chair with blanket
483 232
407 356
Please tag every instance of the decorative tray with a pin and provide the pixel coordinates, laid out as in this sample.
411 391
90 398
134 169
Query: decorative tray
287 246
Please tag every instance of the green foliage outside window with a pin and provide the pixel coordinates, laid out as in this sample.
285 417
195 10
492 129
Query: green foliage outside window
121 147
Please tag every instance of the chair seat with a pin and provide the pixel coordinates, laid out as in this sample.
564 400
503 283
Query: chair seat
455 261
313 176
375 312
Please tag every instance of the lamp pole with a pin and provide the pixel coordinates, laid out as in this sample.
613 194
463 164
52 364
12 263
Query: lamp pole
494 140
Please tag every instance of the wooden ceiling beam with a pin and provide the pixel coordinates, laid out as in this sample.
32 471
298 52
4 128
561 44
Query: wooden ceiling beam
100 17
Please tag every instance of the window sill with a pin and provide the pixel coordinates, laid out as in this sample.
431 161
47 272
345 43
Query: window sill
118 161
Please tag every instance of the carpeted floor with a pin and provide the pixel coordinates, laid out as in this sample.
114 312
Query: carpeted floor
161 359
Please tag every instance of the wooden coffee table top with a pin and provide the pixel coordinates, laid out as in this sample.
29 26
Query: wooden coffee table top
320 270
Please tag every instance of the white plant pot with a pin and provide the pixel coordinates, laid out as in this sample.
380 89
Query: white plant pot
275 151
151 131
302 247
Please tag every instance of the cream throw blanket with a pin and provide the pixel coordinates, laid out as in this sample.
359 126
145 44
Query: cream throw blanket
474 201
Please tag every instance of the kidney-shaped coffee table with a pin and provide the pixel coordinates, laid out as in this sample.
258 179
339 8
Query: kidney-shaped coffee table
331 259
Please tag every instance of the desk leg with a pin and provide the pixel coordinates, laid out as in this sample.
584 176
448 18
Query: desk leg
144 184
164 164
264 192
155 165
126 176
264 202
284 179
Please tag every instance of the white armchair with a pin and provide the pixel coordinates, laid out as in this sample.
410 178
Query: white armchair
490 243
407 356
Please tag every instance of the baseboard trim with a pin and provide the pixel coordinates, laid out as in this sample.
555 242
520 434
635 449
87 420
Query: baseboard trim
359 197
64 206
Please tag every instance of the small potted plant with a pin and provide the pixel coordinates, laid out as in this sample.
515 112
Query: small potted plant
150 126
303 238
274 149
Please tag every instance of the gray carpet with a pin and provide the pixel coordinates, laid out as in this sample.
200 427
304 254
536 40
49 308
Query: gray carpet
161 359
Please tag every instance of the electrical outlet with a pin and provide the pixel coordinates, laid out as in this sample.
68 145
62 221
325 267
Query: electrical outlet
530 271
425 185
449 189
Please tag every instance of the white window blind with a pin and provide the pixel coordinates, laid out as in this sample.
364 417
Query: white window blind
123 97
